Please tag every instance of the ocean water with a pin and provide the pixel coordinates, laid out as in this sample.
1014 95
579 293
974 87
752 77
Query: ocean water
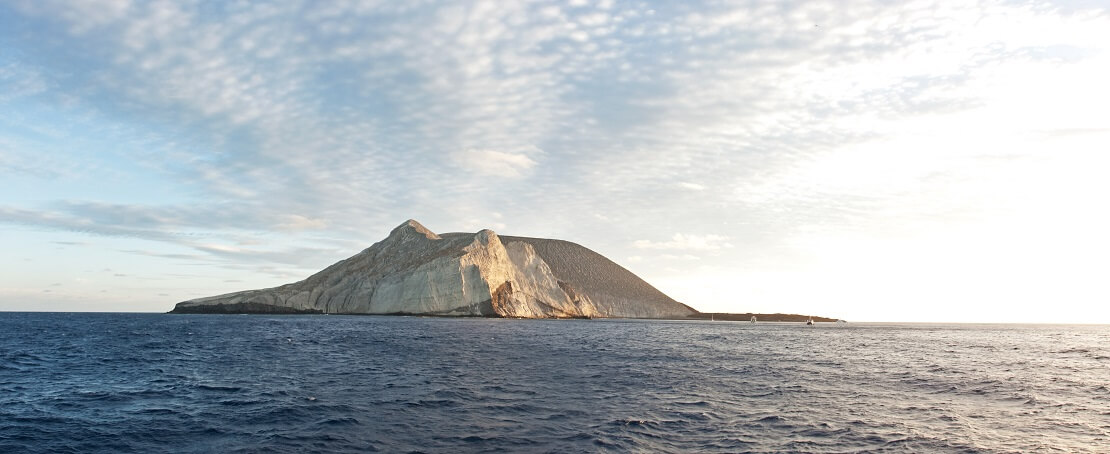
225 383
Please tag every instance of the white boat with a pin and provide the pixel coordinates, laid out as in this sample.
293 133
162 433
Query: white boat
753 319
809 322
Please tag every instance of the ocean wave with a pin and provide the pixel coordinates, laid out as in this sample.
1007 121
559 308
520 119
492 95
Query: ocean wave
153 383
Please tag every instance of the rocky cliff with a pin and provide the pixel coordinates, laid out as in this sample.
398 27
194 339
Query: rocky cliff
415 271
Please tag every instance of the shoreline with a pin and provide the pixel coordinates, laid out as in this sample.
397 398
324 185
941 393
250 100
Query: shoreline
717 316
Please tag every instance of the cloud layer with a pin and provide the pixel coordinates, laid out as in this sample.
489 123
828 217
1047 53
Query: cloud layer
738 135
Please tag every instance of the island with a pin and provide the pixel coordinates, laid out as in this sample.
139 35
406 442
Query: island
415 271
744 317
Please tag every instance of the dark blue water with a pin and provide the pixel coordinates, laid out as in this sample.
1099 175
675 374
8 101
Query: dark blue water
225 383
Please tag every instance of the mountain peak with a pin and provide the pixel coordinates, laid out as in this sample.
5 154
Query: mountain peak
485 236
413 228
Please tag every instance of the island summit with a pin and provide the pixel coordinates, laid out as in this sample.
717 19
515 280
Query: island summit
417 272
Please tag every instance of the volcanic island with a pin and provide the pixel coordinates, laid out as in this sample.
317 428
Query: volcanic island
414 271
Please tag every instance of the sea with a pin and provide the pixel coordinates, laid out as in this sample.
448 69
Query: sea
117 383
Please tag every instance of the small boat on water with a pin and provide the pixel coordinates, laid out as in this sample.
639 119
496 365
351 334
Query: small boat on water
809 322
753 319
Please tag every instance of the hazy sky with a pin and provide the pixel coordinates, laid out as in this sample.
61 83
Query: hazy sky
867 160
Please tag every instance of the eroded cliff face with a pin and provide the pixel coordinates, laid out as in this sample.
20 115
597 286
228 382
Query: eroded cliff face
415 271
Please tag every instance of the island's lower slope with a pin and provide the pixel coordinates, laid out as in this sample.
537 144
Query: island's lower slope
612 288
415 271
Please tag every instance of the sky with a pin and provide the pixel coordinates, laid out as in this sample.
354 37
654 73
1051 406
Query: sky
911 161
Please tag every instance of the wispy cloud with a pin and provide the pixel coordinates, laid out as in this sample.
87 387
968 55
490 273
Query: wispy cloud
242 132
684 242
495 163
296 223
653 94
217 233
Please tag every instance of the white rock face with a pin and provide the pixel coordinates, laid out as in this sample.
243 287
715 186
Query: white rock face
415 271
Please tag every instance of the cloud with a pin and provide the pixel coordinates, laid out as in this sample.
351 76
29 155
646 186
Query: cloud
71 243
296 222
338 116
81 17
241 124
204 229
495 163
684 242
19 81
157 222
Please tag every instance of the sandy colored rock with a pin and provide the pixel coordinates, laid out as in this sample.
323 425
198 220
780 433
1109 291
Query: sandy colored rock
415 271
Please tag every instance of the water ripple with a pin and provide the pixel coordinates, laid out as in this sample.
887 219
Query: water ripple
203 383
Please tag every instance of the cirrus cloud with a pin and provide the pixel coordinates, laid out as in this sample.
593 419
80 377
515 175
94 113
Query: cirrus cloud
494 163
685 242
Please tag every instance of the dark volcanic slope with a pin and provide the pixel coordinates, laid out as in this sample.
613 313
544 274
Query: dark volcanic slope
611 287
